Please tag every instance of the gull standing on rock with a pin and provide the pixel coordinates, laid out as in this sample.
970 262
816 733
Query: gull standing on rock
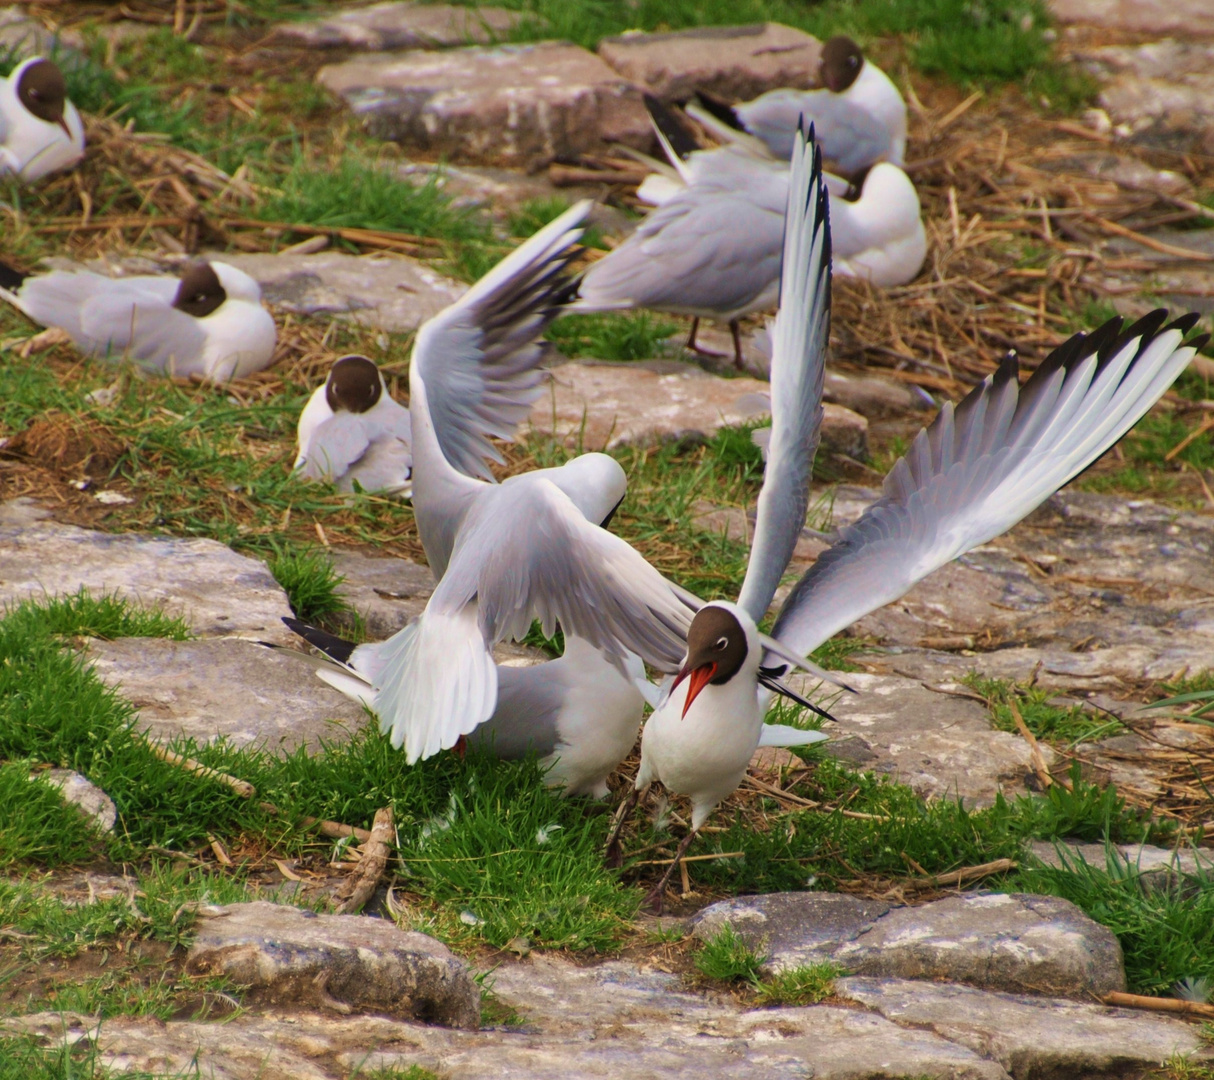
208 324
859 117
352 432
976 471
40 129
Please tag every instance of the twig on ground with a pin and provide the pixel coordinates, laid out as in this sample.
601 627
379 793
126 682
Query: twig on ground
958 877
377 850
241 787
1157 1004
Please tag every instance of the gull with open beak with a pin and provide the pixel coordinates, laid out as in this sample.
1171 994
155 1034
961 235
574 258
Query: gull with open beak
976 471
40 129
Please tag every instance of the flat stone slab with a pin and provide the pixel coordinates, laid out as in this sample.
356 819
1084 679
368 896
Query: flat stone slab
238 690
521 105
995 941
1188 18
737 62
942 745
1158 866
791 929
215 591
601 405
385 593
1031 1036
1159 93
401 25
286 955
387 292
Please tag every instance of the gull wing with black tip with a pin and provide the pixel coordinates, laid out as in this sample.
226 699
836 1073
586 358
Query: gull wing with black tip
982 466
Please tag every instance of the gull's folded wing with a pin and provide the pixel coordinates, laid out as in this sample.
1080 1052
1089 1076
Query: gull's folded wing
983 466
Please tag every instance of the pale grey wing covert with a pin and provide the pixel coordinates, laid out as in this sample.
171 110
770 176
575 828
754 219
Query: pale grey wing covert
527 552
849 135
479 358
336 444
154 334
983 466
701 251
529 701
800 337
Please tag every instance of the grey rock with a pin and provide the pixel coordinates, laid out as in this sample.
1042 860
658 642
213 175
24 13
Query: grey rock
385 592
1158 867
737 62
600 405
1185 17
387 292
874 397
1031 1036
995 941
216 591
941 744
520 105
1159 93
230 689
397 24
94 803
23 36
285 955
791 929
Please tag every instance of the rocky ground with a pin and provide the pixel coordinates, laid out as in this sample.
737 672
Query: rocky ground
1086 612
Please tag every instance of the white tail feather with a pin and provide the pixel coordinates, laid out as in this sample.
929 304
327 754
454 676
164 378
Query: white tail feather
786 735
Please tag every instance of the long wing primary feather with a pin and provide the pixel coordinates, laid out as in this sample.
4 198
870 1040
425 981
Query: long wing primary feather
983 466
800 338
478 360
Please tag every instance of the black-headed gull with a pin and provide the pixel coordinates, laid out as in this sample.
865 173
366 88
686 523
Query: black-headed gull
974 473
352 432
40 129
859 117
209 323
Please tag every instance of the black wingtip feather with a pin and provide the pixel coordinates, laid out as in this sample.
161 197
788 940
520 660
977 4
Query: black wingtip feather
1200 342
332 646
1185 323
720 108
10 277
682 142
1145 328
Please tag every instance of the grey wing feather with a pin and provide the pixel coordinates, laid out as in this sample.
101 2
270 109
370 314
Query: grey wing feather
681 257
152 332
847 134
983 466
798 369
524 721
529 553
335 446
478 359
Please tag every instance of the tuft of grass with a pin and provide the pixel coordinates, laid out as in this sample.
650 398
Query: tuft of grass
534 214
805 985
83 615
635 335
1167 936
25 1058
311 583
1058 724
39 827
726 957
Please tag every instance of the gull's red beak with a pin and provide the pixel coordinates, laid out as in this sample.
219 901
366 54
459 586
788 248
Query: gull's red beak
699 678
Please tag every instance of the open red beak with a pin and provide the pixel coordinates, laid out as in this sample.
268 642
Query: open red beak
699 678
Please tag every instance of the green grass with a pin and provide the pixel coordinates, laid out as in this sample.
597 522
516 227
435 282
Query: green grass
805 985
39 827
310 582
24 1058
1167 935
727 958
1064 725
636 335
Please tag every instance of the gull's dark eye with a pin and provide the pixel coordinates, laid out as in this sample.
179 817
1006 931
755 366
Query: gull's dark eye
852 61
722 643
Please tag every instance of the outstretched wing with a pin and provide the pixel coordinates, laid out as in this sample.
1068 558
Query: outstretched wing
983 466
525 551
800 338
477 361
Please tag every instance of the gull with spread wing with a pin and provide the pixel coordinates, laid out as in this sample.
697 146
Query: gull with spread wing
976 471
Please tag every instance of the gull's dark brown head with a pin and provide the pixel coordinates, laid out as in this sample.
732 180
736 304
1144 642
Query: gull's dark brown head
354 385
200 292
716 650
43 91
841 63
